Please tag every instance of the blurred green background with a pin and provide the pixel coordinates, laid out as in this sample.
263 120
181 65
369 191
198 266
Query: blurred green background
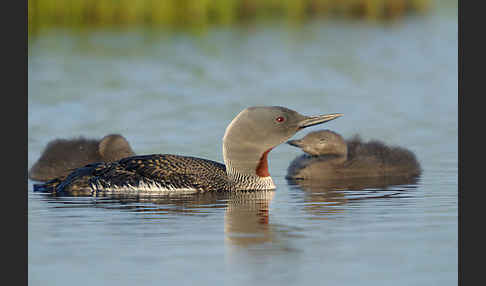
200 13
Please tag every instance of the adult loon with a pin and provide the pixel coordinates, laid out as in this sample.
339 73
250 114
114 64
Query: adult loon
329 156
62 156
248 139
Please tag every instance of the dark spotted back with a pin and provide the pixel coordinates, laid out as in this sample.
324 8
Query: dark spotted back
164 170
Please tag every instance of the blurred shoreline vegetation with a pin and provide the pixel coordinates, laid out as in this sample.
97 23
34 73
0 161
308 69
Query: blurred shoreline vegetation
201 13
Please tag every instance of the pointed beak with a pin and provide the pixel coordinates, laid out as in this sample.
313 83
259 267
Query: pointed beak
318 119
295 143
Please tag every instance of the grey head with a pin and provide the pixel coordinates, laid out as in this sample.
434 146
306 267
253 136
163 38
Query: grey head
257 130
114 147
322 142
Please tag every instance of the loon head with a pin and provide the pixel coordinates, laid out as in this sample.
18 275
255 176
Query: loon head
322 142
254 132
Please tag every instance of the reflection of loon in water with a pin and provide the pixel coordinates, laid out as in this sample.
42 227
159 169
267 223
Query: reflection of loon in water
61 156
246 213
329 157
248 139
246 220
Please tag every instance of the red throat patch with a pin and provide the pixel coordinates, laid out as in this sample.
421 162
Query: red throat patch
262 168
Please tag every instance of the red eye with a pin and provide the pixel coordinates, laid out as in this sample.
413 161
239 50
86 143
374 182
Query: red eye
280 119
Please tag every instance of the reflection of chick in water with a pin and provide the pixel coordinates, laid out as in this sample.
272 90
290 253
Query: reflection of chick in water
324 199
323 196
246 217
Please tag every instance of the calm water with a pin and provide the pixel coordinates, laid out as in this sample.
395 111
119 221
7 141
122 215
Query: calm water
176 92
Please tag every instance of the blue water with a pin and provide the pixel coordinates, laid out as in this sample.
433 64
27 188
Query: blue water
176 93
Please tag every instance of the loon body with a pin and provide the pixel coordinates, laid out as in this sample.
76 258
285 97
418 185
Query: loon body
329 156
248 139
62 156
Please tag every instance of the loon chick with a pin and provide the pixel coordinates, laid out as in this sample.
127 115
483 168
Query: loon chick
246 143
329 156
62 156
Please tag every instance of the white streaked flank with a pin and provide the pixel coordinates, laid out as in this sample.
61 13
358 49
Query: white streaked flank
143 188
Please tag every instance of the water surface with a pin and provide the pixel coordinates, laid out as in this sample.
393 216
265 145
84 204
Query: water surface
176 92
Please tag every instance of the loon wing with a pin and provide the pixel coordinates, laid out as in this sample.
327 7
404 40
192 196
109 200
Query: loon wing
148 173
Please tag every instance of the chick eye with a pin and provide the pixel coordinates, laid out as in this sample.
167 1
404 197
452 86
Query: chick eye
280 119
